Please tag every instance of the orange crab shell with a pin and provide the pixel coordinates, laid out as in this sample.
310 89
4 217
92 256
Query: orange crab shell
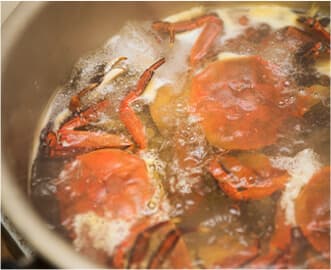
247 176
108 180
232 96
313 211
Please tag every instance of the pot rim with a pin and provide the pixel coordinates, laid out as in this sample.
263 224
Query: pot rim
14 202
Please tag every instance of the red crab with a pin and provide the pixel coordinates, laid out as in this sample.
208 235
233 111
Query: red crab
115 185
112 184
247 96
314 225
69 140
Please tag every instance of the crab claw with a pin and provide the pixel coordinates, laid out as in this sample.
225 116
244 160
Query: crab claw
127 114
109 74
249 176
68 141
213 27
144 249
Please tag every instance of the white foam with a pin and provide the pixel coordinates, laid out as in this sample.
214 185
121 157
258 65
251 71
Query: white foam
230 18
173 71
98 232
135 42
300 168
111 75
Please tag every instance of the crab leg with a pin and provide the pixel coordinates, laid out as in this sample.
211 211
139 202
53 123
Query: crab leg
315 25
205 41
141 244
164 249
316 50
226 180
127 114
69 141
213 28
75 101
138 250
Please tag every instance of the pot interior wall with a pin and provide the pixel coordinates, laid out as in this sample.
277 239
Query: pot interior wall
41 58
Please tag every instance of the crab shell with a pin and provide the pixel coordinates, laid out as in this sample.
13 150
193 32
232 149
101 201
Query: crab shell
104 181
313 211
237 101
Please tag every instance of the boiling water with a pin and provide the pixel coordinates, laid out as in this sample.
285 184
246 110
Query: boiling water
213 226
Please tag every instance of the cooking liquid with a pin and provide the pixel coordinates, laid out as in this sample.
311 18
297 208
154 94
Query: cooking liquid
213 225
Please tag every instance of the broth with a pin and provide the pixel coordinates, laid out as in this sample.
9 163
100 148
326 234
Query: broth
213 227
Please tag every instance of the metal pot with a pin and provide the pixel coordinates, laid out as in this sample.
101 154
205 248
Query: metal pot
40 44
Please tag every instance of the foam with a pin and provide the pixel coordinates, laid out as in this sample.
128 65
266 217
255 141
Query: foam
98 232
300 168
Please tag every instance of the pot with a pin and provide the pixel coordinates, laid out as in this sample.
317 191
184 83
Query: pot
40 43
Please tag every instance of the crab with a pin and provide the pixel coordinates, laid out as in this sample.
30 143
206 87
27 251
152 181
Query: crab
314 226
245 92
106 181
114 186
71 139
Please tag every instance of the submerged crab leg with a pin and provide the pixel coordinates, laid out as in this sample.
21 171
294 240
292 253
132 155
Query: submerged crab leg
127 114
164 249
140 252
213 28
141 244
68 140
258 191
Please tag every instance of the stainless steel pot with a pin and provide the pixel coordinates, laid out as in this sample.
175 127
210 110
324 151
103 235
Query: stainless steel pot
40 43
